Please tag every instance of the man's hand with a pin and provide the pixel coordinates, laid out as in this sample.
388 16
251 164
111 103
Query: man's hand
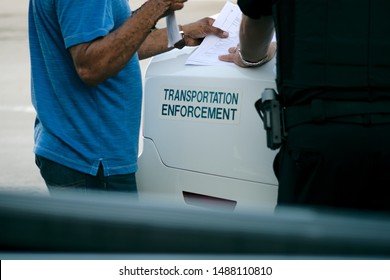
195 32
234 56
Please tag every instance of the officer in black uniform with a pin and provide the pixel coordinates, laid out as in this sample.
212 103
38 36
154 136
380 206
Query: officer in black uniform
333 79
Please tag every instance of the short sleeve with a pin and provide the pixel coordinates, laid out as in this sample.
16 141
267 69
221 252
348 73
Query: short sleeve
84 21
255 8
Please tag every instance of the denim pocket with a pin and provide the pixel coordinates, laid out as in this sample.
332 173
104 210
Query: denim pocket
57 175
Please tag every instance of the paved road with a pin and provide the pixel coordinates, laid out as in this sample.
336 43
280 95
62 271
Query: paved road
17 168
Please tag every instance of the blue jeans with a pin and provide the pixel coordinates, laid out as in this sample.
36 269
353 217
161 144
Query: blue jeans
59 178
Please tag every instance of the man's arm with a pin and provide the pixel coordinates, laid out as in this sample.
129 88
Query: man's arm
255 37
104 57
194 33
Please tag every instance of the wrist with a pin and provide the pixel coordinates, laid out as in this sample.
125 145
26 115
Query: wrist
152 11
251 63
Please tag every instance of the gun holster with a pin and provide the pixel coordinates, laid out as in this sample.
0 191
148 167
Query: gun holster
272 114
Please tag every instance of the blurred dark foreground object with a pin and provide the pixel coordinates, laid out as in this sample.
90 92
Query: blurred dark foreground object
113 224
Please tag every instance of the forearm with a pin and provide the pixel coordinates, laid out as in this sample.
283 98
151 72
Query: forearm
194 33
255 37
155 43
105 57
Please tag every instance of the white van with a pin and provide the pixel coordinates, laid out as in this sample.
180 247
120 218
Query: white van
203 142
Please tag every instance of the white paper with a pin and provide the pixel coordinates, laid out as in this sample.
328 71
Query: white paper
174 35
229 19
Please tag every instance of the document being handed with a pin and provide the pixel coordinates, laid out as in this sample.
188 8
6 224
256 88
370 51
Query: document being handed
207 53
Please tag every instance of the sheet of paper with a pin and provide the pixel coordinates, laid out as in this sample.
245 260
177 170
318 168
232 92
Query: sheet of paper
207 53
173 30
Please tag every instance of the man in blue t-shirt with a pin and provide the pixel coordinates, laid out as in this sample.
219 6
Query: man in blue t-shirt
86 86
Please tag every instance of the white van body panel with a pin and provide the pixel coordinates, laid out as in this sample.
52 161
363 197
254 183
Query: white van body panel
202 134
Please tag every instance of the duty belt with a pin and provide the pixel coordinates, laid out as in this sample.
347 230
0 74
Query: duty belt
324 110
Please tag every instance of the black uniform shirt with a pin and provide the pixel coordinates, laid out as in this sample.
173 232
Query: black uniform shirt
255 8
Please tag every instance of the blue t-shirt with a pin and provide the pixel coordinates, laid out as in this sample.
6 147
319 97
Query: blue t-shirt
77 125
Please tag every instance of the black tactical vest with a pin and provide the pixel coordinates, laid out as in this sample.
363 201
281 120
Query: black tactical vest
333 49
